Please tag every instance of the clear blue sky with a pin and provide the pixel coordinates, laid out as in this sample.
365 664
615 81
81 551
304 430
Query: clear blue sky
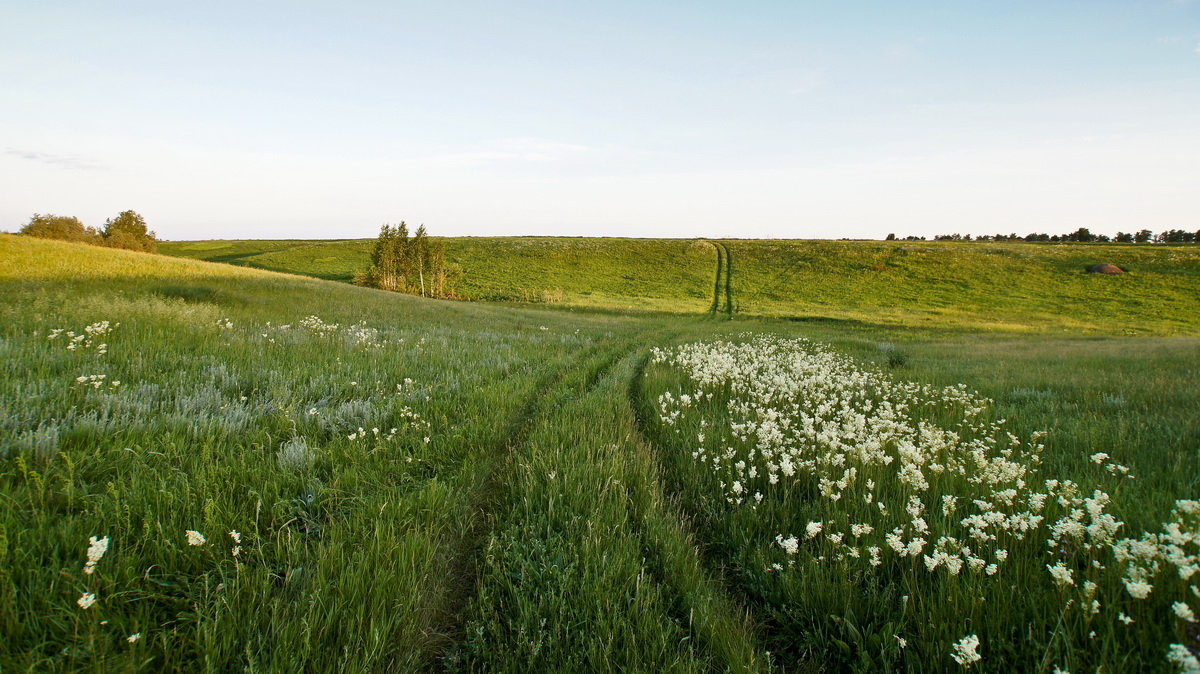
772 119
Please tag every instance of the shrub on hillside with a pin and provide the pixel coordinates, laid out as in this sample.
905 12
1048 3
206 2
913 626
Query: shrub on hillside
62 227
128 230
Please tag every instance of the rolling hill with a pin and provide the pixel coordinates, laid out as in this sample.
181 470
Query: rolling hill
996 286
219 467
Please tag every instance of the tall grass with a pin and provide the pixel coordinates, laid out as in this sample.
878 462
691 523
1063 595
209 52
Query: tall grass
387 483
789 456
348 456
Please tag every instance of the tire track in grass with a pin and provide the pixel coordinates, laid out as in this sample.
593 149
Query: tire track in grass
723 281
724 627
728 280
716 302
486 470
591 568
556 556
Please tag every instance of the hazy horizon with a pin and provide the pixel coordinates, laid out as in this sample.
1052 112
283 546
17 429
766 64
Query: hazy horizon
674 120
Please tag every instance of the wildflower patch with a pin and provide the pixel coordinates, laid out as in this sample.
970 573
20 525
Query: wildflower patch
831 468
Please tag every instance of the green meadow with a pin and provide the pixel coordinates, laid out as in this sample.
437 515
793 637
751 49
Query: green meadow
286 472
1007 287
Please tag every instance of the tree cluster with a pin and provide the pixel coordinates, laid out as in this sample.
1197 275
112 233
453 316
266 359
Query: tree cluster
412 264
128 230
1080 235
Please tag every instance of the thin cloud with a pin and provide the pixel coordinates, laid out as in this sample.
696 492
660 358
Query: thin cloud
73 162
516 149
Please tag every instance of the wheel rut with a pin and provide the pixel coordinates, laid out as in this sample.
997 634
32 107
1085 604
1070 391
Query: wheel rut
487 471
719 622
722 301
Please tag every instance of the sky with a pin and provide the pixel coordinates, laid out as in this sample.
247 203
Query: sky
799 119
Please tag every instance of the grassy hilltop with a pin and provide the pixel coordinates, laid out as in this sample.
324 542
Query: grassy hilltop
284 473
1006 286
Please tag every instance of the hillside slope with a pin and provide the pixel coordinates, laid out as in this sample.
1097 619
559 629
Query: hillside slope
223 466
213 467
1007 286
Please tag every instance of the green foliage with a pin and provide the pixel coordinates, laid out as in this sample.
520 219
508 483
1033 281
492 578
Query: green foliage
414 265
128 230
61 227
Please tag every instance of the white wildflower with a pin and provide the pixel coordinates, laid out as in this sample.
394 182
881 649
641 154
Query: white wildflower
1183 611
1138 589
1183 658
1061 574
965 651
790 545
96 549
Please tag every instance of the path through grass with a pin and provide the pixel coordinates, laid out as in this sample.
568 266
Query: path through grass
526 514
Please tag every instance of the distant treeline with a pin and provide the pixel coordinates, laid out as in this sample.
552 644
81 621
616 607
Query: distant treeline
1080 235
127 230
407 264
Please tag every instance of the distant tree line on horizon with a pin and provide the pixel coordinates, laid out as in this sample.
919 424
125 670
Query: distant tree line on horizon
1081 235
128 230
412 264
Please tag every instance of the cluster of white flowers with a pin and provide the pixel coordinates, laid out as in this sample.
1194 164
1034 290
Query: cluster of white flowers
966 651
905 471
890 481
411 421
90 338
376 433
97 381
1184 659
96 549
358 334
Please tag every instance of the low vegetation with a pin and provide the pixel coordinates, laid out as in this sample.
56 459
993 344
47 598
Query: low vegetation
128 230
1081 235
213 467
1006 286
881 524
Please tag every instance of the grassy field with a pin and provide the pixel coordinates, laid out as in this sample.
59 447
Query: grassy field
458 486
988 286
653 274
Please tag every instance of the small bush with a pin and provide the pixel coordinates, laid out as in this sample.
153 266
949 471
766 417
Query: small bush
294 455
893 356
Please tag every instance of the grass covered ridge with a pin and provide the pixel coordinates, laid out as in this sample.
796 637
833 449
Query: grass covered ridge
994 286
